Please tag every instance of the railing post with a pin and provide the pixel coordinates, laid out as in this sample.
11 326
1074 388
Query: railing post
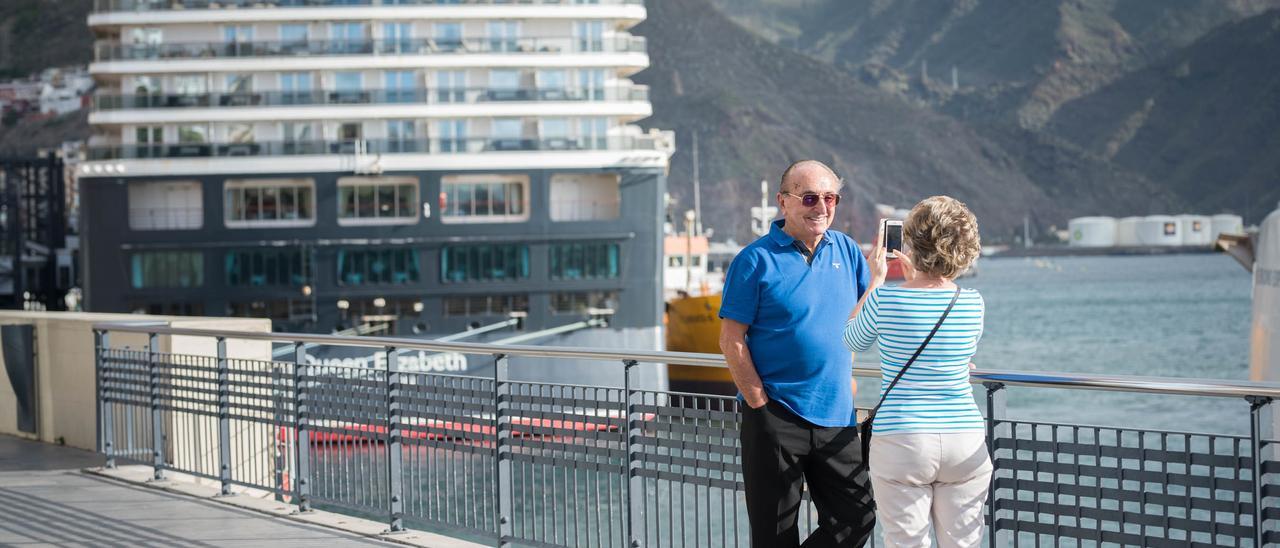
634 524
224 418
996 409
1256 404
501 447
302 443
157 417
102 342
395 471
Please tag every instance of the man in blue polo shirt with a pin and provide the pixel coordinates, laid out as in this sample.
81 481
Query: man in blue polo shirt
785 297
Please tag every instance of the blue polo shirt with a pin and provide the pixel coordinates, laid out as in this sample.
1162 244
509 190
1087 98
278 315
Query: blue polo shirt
796 310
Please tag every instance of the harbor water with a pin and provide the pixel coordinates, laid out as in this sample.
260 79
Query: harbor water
1165 316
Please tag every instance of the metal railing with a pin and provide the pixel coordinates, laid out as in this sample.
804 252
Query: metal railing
551 464
370 146
163 5
450 95
117 51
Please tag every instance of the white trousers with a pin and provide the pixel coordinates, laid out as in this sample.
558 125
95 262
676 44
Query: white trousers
918 478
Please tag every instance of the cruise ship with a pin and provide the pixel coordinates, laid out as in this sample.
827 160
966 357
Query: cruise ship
422 166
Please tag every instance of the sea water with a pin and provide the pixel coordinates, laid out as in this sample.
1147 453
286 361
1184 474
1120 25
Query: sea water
1184 316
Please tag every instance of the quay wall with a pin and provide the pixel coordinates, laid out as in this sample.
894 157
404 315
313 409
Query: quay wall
66 402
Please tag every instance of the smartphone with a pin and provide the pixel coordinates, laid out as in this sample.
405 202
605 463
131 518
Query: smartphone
892 230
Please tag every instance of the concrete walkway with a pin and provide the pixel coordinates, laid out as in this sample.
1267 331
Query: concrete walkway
46 500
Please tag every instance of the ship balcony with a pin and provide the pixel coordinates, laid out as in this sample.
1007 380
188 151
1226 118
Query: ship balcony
450 95
468 145
169 5
116 51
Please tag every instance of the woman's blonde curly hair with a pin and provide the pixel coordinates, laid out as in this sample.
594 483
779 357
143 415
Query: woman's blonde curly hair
942 236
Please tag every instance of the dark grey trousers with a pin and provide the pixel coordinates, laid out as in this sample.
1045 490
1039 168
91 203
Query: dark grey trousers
780 453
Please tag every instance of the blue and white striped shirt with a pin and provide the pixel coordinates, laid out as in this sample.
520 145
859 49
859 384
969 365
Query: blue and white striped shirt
934 396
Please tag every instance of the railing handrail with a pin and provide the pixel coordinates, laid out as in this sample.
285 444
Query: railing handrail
1116 383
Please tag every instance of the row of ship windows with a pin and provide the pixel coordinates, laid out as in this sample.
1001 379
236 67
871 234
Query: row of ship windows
364 267
451 135
443 35
270 203
359 310
450 85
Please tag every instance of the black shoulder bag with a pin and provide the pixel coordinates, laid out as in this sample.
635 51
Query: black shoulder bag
864 429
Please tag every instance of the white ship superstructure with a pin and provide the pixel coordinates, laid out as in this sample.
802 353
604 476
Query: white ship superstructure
432 166
184 85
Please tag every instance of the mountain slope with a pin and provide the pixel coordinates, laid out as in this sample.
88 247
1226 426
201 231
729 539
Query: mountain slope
758 106
39 34
1202 121
1050 51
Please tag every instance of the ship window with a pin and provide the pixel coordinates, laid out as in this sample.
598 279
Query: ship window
585 197
484 263
592 83
593 133
377 200
177 205
168 308
294 35
268 267
447 37
377 266
193 133
276 309
451 86
484 198
584 261
256 203
503 35
381 310
579 302
402 136
453 135
485 305
153 269
590 35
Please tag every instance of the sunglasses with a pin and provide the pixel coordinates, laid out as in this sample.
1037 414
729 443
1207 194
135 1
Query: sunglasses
810 199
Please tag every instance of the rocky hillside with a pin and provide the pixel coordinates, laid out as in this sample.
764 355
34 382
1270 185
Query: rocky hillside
1036 55
758 106
38 34
1203 121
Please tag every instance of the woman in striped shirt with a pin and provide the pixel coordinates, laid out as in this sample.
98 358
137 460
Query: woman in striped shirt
929 458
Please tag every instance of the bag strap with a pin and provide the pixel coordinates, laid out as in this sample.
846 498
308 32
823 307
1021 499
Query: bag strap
954 298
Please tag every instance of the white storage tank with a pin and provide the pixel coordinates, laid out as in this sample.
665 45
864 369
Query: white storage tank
1197 230
1092 232
1159 230
1127 231
1224 223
